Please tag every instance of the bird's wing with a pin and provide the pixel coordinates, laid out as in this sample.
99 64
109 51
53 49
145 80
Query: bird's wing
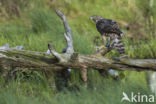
113 24
103 26
108 26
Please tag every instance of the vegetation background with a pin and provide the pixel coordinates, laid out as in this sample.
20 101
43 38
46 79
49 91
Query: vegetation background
33 24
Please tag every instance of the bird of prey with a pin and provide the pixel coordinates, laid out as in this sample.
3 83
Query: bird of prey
109 28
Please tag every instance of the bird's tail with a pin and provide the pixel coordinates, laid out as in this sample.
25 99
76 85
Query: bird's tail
117 44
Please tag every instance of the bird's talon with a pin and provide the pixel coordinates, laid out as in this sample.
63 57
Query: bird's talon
108 44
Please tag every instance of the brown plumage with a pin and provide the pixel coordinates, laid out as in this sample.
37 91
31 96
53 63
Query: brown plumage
109 28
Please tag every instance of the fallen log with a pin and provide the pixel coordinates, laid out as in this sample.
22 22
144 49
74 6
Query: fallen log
12 57
41 60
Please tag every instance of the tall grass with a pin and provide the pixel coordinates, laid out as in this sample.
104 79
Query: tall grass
38 25
39 92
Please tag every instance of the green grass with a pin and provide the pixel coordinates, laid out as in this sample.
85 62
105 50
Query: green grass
38 25
103 92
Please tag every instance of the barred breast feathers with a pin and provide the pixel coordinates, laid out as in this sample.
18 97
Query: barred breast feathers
117 44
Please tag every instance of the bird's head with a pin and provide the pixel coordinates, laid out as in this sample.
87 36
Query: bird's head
95 18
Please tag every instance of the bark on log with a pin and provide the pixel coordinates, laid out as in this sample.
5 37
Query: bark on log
39 60
11 57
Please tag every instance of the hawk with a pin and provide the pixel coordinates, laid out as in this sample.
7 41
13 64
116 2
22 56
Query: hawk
109 28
